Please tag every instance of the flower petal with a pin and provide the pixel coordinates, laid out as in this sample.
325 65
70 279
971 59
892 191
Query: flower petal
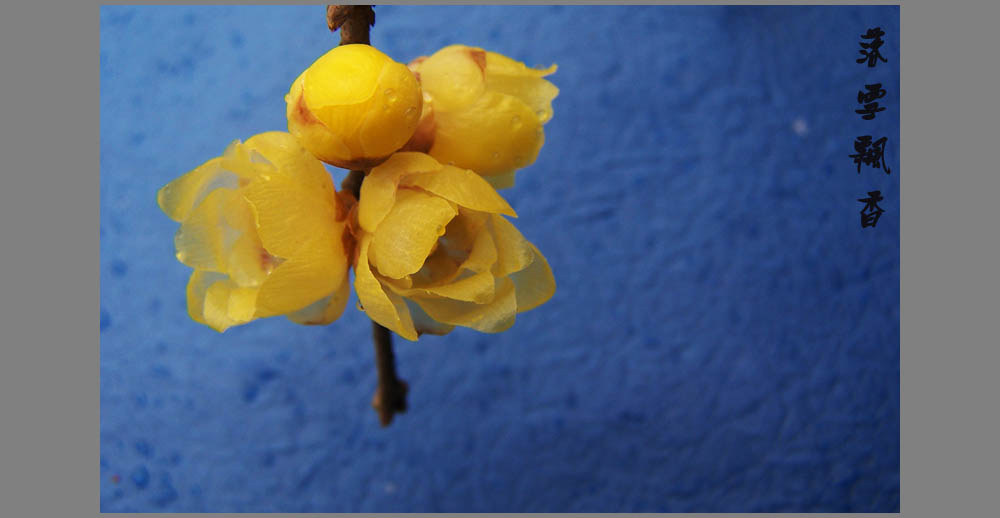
494 134
309 130
493 317
207 235
379 188
424 324
499 64
478 288
289 157
235 168
348 75
248 263
287 214
463 187
178 198
502 180
484 254
512 77
374 299
535 284
314 272
393 112
408 233
196 288
227 305
453 76
325 310
514 252
407 327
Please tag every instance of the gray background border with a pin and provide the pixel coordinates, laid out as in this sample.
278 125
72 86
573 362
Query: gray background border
49 215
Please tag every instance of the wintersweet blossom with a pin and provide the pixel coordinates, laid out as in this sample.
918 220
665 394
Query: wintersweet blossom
434 251
482 111
264 230
354 106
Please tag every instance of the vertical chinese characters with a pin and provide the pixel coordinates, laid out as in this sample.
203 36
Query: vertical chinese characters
868 150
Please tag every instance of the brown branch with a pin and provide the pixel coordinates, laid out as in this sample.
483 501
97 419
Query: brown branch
354 22
390 396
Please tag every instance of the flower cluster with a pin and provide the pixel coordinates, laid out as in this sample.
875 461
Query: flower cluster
267 233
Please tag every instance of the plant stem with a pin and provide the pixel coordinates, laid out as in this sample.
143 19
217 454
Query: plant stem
390 396
354 22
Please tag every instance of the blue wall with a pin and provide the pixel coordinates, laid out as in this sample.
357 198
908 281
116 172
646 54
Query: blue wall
724 337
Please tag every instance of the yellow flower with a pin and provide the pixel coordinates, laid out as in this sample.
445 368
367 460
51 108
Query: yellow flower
264 230
485 111
434 251
354 106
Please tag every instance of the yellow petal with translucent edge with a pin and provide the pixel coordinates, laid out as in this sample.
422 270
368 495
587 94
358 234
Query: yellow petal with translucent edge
512 77
217 305
501 181
535 284
287 214
378 191
469 247
494 317
484 254
514 252
453 76
373 297
478 288
536 93
406 236
289 157
499 64
227 305
325 310
462 231
495 134
242 303
463 187
403 283
424 324
204 238
314 272
178 198
248 262
407 329
196 289
439 267
245 162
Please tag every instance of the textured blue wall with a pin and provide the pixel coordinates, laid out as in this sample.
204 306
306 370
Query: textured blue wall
725 335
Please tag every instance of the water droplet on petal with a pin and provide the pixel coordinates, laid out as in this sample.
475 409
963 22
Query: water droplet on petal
515 121
411 112
496 155
390 95
540 114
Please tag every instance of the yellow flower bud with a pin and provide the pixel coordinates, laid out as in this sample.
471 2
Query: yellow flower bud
434 251
487 110
354 106
265 232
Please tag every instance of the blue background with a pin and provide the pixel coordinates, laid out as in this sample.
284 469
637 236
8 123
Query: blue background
724 337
